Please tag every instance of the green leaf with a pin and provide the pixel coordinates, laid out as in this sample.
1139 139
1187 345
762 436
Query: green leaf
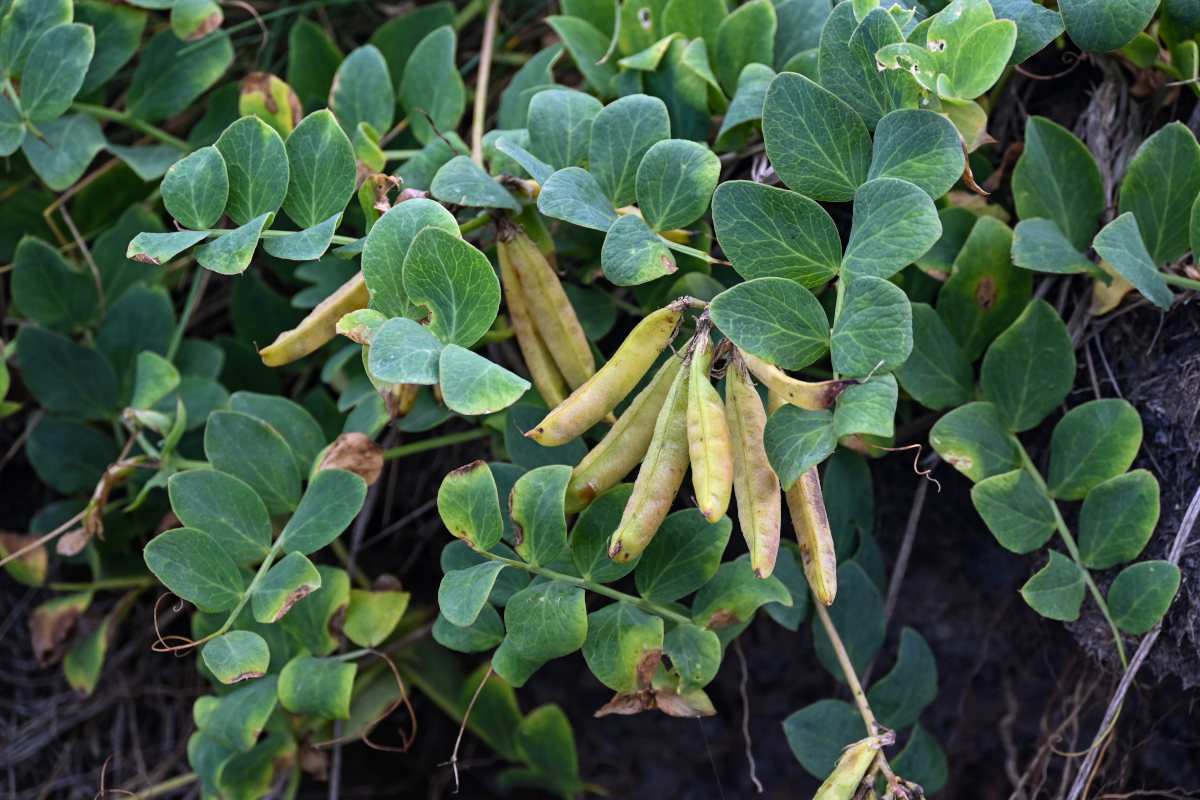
587 47
545 742
920 147
225 508
734 593
513 112
560 126
790 574
69 455
286 582
237 656
984 294
462 182
817 143
387 246
332 501
1056 591
573 195
546 620
774 319
639 25
257 165
799 29
484 633
50 290
236 719
362 90
148 163
1016 511
1092 443
1120 244
470 506
848 66
159 248
1104 26
623 644
155 379
312 61
83 662
1038 244
192 20
251 450
675 181
193 566
746 108
895 223
633 254
1117 519
868 408
1057 178
857 614
1159 188
797 439
55 71
873 330
746 35
977 63
404 351
1030 367
65 377
818 733
230 253
167 80
591 534
937 373
1141 594
297 427
431 85
899 697
311 620
769 232
463 593
24 23
1037 26
473 385
676 562
539 170
695 654
536 504
373 615
454 282
70 143
306 245
196 187
12 127
621 134
397 37
975 442
923 761
322 168
318 687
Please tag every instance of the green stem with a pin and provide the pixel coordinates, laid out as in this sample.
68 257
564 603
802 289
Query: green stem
178 782
189 306
583 583
100 112
258 576
1073 549
130 582
1180 281
434 443
11 91
399 155
475 223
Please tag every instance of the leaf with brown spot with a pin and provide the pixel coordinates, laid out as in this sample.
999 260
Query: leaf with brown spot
693 704
626 704
53 623
355 452
28 568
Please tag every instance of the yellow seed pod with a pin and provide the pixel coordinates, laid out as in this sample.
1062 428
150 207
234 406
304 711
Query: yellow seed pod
600 394
709 444
851 768
812 396
319 326
549 308
625 444
659 479
545 373
755 485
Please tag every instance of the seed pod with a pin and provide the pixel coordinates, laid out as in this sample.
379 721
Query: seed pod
709 443
549 308
755 484
812 396
545 373
588 404
319 326
851 768
659 478
624 446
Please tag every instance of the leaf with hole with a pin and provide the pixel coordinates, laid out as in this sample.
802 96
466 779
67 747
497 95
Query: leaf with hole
455 283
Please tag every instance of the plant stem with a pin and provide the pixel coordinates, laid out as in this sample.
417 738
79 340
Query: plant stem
482 77
130 582
839 649
434 443
399 155
475 223
249 590
1181 281
1069 542
199 278
170 785
583 583
123 117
